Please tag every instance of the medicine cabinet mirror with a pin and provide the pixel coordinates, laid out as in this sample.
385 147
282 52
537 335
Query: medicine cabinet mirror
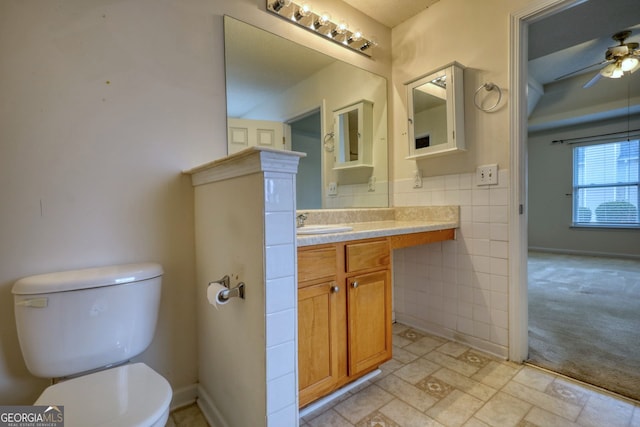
353 128
435 105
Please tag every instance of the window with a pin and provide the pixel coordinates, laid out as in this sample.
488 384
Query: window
605 184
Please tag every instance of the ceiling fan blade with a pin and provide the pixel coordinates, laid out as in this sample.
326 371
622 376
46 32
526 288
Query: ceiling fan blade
580 70
593 81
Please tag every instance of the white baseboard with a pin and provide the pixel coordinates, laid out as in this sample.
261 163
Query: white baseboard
209 409
336 394
477 343
583 253
184 396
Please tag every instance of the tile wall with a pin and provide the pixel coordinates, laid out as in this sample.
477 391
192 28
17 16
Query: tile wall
458 289
280 299
244 210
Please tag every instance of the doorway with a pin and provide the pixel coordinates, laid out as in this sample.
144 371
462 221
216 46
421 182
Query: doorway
528 295
306 137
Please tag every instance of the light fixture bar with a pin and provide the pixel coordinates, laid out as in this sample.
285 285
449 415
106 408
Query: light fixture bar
321 24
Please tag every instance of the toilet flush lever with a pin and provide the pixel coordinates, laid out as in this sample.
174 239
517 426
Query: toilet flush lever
34 302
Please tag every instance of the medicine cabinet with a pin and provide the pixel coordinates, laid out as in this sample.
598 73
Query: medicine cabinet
353 133
435 105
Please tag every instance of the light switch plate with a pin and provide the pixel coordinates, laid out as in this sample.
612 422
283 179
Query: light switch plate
487 175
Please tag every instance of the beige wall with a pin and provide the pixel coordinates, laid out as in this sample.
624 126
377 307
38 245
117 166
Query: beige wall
103 105
475 34
550 180
458 289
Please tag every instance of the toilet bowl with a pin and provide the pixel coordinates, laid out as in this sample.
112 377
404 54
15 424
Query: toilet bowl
131 395
83 327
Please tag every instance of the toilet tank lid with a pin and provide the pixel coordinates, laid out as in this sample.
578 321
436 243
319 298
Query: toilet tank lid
86 278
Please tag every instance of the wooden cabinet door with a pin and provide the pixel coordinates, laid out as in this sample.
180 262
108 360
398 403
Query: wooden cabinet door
369 314
321 348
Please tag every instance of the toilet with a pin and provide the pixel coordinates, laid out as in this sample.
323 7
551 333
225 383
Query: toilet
81 328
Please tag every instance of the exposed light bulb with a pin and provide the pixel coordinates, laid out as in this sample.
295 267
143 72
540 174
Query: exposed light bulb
324 18
303 11
629 64
355 36
342 27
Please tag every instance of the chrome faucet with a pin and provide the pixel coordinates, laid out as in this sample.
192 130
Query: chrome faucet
300 219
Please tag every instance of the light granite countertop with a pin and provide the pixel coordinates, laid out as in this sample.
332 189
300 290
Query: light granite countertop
370 223
370 229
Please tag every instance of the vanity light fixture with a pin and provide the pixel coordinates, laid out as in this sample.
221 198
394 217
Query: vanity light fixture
321 24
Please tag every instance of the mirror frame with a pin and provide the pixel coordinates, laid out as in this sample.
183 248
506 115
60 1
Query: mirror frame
454 98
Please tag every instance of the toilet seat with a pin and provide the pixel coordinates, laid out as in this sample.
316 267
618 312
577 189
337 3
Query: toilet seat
131 395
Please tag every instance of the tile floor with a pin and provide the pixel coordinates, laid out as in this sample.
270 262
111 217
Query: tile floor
189 416
434 382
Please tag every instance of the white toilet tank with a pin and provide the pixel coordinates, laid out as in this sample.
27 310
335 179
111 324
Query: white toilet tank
75 321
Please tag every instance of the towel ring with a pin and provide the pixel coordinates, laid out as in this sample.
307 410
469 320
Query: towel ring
488 87
328 142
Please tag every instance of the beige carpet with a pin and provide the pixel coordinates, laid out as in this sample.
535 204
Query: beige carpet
584 319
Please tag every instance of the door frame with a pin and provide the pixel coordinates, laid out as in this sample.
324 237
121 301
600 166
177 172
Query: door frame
518 241
320 108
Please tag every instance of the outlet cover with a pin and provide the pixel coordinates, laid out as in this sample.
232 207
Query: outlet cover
332 189
372 184
417 179
487 175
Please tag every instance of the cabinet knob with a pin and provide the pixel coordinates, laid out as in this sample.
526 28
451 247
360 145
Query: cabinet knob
335 289
354 285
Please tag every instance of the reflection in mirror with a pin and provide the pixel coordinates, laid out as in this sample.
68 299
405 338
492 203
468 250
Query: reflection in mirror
436 121
353 125
348 136
283 95
430 113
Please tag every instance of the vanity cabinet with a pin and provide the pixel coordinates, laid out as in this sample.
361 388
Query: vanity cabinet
344 314
321 323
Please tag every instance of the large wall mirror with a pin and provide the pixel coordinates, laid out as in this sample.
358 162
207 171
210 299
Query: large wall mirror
283 95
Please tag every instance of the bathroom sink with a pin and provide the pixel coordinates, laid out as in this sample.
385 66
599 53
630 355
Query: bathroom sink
323 229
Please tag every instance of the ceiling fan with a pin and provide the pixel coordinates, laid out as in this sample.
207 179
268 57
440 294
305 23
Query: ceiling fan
620 59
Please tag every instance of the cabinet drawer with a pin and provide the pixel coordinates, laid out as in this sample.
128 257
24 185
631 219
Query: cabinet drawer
366 255
317 263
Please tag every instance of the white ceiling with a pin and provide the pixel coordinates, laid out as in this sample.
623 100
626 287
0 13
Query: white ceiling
390 12
567 41
579 37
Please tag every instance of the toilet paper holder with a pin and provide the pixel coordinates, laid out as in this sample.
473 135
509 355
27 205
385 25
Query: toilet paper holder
230 292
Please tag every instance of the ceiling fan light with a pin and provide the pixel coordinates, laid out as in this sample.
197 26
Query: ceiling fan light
608 70
617 73
629 64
